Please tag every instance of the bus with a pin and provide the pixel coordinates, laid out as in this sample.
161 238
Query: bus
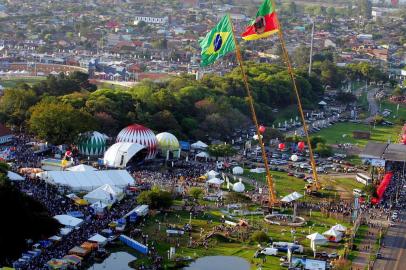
364 179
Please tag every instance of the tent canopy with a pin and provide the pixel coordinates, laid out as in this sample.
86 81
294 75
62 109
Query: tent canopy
292 197
106 194
14 176
89 180
199 145
339 227
203 155
239 187
333 232
69 221
81 168
317 237
215 181
212 174
100 239
238 170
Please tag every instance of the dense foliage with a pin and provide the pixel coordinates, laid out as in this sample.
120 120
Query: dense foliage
60 107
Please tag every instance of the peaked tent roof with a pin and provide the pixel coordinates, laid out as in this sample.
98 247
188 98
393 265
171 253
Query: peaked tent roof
81 168
316 237
333 232
67 220
339 227
199 144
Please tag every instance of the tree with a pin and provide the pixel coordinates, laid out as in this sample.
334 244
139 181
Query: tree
156 198
260 237
314 141
302 56
15 103
196 192
345 97
323 150
292 8
221 150
331 12
365 8
59 123
397 91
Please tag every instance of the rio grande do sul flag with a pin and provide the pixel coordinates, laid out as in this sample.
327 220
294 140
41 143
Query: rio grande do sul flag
218 42
265 23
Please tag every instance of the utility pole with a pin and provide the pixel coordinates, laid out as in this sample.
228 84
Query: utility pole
311 49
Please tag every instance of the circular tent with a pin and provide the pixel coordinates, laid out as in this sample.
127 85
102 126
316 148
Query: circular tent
120 154
239 187
141 135
92 144
168 143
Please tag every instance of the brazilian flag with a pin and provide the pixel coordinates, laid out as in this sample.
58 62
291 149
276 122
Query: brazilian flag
218 42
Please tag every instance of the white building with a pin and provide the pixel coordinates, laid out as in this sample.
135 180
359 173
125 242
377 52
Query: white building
153 20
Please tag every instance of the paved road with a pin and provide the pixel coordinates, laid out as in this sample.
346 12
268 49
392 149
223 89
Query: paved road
373 105
394 252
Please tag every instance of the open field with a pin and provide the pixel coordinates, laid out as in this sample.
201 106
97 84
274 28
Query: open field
221 245
12 82
342 133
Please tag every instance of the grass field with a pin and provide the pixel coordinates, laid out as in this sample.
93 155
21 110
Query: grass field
392 106
342 133
284 184
230 246
12 82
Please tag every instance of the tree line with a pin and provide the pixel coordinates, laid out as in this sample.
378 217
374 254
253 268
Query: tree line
60 107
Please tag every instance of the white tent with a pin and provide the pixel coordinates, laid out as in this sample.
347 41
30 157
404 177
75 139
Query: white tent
322 103
106 194
212 174
89 180
199 145
68 221
318 238
14 176
215 181
258 170
333 235
238 170
202 155
99 239
339 227
98 206
292 197
81 168
65 231
119 154
239 187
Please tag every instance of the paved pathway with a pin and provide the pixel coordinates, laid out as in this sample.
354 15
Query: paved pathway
394 248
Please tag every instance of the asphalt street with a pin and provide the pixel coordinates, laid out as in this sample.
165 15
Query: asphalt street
394 248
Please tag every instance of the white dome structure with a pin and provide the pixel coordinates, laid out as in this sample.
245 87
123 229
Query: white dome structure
167 143
141 135
239 187
238 170
119 154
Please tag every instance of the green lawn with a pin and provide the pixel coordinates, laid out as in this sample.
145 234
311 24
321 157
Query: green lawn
231 246
12 82
342 133
290 112
362 231
347 183
393 106
284 184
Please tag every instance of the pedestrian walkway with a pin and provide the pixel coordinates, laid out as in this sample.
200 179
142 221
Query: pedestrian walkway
377 222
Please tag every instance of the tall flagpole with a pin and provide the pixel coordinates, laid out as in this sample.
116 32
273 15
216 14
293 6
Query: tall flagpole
271 196
299 102
311 50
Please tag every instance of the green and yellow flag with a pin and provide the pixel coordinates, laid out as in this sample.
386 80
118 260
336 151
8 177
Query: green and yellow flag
218 42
